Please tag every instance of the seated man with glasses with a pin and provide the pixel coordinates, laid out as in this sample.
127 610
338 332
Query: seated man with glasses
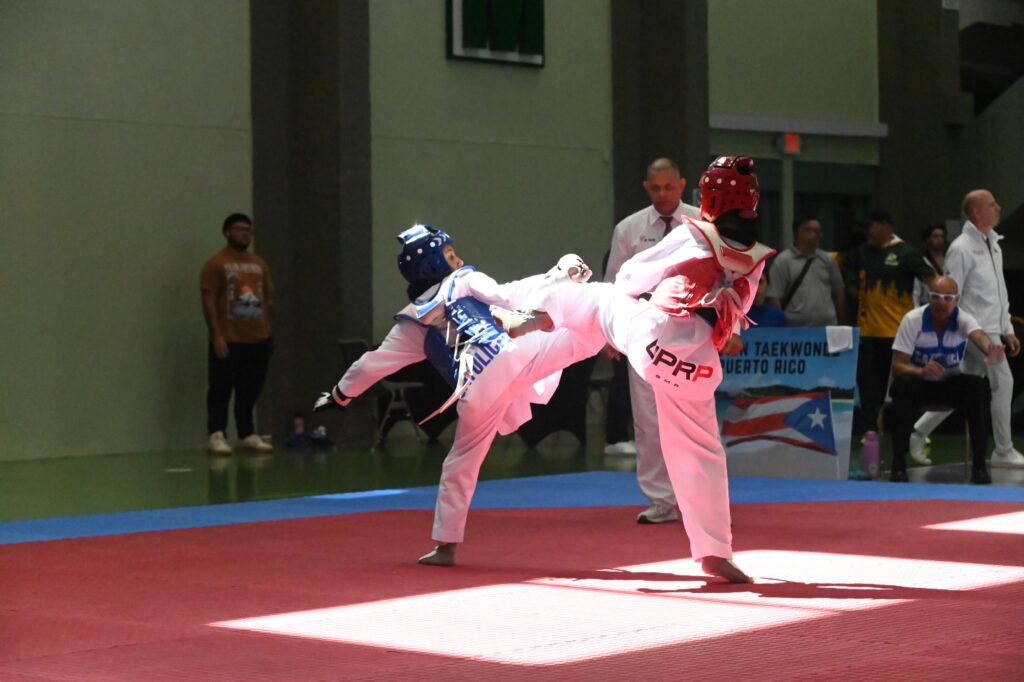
926 357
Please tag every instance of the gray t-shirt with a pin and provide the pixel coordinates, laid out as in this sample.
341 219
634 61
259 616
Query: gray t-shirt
812 304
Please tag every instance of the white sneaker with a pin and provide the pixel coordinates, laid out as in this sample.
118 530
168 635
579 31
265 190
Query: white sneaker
1008 459
917 444
255 444
657 514
625 447
218 444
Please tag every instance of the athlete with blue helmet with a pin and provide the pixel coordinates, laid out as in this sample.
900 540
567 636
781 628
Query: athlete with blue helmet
424 256
495 379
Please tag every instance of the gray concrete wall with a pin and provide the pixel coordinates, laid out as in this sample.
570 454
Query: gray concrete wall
122 152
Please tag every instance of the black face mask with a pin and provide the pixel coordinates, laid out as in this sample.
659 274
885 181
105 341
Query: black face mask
745 231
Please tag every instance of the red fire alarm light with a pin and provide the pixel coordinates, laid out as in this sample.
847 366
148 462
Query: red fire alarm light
791 143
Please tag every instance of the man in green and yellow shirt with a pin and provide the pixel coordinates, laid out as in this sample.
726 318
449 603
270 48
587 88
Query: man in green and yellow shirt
881 273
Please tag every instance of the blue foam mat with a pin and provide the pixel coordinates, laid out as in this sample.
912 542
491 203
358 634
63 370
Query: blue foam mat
589 489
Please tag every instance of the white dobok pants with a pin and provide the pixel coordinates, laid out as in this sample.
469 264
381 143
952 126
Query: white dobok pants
651 471
684 411
479 423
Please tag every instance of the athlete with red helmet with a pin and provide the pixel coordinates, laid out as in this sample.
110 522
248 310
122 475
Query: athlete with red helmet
704 275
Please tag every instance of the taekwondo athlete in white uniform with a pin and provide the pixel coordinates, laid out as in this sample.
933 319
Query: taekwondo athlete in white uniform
704 275
494 378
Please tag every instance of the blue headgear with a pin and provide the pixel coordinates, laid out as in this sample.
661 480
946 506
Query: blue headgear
422 255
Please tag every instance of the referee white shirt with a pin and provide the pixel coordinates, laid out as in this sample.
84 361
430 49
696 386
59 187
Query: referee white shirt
639 232
632 235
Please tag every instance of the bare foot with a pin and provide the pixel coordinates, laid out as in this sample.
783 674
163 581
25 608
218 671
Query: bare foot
515 323
723 568
442 555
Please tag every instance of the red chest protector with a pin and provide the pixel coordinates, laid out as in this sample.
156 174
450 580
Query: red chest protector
718 281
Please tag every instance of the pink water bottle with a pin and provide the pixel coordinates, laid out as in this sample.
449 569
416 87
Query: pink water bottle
870 458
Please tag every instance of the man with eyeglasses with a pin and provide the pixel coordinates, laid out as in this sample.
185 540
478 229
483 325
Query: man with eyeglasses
926 357
237 296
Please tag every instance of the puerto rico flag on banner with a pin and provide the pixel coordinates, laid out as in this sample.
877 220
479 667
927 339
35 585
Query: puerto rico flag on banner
803 420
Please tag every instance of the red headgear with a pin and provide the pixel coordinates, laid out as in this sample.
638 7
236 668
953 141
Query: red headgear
729 184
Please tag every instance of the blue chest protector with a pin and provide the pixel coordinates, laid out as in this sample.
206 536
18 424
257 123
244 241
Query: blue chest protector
468 324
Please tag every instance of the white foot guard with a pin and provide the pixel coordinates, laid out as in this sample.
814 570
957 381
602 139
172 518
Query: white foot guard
723 568
442 555
515 323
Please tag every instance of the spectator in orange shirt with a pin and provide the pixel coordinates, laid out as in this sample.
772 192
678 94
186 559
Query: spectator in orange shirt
237 296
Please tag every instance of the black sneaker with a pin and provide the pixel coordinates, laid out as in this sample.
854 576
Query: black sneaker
898 476
980 476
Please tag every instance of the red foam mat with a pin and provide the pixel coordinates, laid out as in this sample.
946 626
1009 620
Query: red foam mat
882 590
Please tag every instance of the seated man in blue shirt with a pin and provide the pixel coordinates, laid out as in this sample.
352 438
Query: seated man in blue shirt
926 357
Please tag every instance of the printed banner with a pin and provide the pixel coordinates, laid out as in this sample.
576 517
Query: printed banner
785 405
